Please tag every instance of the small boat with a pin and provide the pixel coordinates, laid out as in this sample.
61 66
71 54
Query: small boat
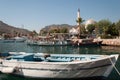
7 40
49 41
20 39
55 42
13 40
58 66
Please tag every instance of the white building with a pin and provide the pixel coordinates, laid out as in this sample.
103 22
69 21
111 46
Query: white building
73 31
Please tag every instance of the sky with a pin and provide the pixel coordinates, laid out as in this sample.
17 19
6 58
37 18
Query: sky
36 14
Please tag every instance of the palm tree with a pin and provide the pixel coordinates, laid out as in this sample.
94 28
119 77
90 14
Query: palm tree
79 21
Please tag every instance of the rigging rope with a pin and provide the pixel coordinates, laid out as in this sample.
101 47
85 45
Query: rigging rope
115 67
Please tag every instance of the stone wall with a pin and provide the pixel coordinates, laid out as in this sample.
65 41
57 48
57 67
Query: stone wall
111 42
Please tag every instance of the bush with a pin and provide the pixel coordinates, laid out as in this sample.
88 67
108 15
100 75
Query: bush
107 37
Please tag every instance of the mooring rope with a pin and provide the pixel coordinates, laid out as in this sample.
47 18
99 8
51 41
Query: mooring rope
115 67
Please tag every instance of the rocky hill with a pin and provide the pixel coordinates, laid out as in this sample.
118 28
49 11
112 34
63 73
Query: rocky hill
5 28
47 29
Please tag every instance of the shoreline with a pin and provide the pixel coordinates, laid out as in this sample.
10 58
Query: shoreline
111 42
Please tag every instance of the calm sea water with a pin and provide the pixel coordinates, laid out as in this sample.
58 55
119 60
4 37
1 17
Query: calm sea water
23 47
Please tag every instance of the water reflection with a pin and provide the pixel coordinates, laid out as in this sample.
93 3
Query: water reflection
66 49
110 49
23 47
13 47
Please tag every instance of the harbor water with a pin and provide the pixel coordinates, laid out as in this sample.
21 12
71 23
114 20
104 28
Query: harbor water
23 47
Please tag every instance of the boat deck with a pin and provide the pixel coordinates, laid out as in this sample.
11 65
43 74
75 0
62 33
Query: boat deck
53 57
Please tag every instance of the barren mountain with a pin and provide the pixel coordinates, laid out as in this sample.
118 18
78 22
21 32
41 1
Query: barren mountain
5 28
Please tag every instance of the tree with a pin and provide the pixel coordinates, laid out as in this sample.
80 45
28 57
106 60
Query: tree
90 28
33 33
103 26
118 26
79 20
55 30
64 30
83 30
112 30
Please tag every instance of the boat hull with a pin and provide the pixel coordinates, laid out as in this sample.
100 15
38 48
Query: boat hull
62 74
62 70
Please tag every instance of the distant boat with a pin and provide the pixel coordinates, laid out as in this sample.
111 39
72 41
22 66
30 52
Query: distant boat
58 66
45 41
13 40
67 42
7 41
20 39
50 43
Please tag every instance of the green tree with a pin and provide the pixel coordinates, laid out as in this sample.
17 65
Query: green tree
64 30
103 26
118 26
90 28
79 20
83 30
112 30
55 30
33 33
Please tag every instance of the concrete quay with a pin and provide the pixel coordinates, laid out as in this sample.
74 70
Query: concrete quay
111 42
